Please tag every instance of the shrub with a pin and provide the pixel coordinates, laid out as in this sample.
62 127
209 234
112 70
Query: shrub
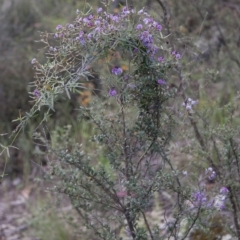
115 187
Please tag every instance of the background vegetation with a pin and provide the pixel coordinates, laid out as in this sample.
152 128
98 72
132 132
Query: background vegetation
207 35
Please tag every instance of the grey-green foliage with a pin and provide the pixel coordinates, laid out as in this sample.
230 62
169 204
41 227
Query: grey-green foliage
133 122
133 125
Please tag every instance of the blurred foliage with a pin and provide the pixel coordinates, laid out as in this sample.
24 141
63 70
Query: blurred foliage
206 32
20 23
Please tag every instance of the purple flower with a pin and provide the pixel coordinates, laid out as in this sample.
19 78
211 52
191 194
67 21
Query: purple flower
117 71
125 10
114 18
146 38
99 10
199 197
147 20
160 59
188 105
70 26
90 24
97 22
178 56
98 30
36 93
139 26
219 202
211 174
135 50
158 27
90 17
152 50
89 36
224 191
173 52
81 34
34 60
86 20
161 82
58 27
82 41
112 92
154 24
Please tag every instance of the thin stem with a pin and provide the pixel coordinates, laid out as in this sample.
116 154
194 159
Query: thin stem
143 155
130 223
165 16
193 222
235 155
125 151
147 225
235 212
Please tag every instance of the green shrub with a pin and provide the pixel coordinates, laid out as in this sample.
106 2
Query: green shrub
135 120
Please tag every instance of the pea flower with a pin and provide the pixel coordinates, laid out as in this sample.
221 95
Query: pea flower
112 92
99 10
146 38
70 26
36 93
58 27
139 26
189 103
224 191
147 20
211 174
178 56
161 82
115 18
158 27
117 71
34 60
200 197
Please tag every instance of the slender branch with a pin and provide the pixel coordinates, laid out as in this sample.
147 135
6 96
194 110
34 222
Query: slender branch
144 154
147 225
193 222
235 155
235 211
99 183
124 140
130 220
165 16
130 223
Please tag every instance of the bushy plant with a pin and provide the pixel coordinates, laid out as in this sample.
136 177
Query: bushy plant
116 186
